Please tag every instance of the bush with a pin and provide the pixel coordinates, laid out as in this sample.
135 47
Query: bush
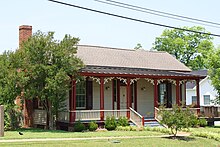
123 121
93 126
202 122
110 123
194 121
79 127
178 118
12 119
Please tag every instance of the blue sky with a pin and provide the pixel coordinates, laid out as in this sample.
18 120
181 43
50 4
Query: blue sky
98 29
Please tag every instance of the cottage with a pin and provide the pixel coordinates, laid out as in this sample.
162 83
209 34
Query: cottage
123 82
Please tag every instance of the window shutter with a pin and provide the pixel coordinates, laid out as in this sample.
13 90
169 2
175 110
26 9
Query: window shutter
89 94
169 95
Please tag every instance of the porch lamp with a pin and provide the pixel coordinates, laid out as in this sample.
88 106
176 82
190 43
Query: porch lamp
107 88
143 88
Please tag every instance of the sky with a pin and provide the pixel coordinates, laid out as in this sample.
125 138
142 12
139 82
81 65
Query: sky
98 29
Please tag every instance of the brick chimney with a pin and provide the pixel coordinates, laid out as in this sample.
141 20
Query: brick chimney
25 31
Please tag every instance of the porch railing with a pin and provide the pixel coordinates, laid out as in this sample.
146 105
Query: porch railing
95 114
156 114
63 116
136 118
116 113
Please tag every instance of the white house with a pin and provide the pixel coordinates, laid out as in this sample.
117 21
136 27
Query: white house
207 91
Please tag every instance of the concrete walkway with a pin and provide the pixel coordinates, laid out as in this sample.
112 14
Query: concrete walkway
86 138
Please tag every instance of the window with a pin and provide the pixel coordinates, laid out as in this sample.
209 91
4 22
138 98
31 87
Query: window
132 92
162 93
115 90
81 95
206 99
194 100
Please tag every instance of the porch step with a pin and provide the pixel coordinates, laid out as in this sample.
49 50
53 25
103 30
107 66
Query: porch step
152 124
148 123
149 119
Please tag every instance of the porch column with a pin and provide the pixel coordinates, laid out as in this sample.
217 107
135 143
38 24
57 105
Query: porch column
135 96
72 102
197 95
118 95
178 92
155 93
101 98
128 96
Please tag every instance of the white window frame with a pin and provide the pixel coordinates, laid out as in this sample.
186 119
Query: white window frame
81 94
194 102
208 96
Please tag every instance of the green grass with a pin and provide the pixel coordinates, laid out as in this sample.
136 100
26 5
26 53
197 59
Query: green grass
146 142
193 141
39 133
207 132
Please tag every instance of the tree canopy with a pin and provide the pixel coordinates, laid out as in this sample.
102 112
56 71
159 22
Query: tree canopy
49 65
42 68
11 82
192 49
214 72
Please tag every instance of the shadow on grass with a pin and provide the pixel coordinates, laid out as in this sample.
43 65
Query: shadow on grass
182 138
40 130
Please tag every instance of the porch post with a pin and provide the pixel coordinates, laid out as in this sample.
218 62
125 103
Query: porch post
72 102
118 95
101 98
128 96
178 92
155 93
197 95
135 96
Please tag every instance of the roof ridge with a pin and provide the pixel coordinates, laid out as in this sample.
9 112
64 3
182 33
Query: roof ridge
124 49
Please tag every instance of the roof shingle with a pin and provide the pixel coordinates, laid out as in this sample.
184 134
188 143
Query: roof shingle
114 57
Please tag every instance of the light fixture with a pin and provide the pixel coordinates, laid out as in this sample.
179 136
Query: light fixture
107 88
143 88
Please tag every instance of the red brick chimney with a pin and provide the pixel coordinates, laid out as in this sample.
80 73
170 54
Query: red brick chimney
25 32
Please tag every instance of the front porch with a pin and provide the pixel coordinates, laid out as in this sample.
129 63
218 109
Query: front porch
97 95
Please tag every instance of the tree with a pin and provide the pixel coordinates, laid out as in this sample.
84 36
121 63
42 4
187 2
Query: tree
177 119
11 82
138 46
214 72
192 49
49 65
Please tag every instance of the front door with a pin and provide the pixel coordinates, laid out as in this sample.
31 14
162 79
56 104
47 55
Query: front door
123 97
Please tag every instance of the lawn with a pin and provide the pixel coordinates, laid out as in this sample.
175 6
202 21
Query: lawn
39 133
152 141
207 132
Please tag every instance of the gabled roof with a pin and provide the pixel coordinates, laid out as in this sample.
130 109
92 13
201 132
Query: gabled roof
129 58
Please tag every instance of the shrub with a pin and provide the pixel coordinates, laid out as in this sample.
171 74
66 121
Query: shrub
110 123
79 127
178 119
194 122
202 122
123 121
93 126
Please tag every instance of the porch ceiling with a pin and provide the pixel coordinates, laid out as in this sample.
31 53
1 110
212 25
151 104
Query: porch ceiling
98 70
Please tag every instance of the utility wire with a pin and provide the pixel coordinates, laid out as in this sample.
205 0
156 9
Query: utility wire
133 19
144 11
180 16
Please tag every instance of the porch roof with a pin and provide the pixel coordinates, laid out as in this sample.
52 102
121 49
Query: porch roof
136 72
